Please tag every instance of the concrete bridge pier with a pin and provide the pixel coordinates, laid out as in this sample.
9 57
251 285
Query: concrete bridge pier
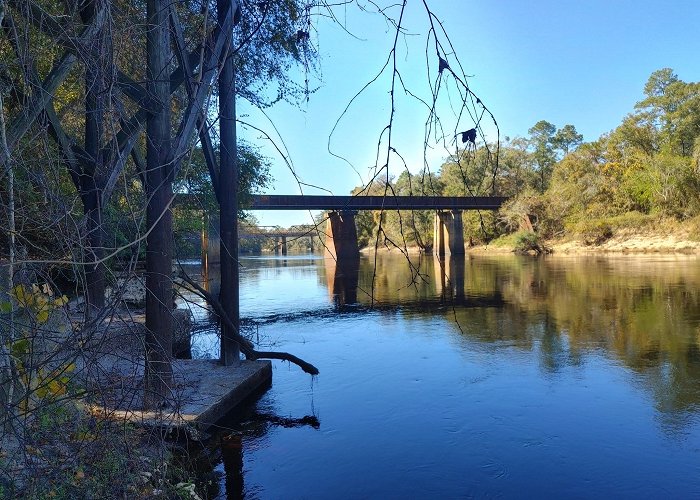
448 234
284 245
341 236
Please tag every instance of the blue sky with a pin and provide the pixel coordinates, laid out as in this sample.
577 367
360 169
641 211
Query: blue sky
579 62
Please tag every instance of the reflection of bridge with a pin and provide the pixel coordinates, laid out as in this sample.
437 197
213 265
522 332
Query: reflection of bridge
341 233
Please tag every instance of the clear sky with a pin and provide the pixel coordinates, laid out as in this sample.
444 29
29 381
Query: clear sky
582 62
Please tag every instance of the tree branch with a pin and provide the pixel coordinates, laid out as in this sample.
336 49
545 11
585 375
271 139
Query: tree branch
245 345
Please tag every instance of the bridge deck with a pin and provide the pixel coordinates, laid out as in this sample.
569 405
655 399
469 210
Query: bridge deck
277 234
303 202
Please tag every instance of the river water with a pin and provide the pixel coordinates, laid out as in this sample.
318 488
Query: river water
476 377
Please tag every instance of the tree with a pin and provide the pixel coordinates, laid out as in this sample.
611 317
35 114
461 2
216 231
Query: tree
566 139
672 106
541 142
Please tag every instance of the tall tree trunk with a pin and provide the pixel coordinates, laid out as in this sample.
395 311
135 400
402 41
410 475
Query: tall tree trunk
159 246
94 242
228 170
90 192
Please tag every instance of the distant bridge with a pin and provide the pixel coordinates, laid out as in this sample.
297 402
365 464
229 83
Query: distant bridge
280 235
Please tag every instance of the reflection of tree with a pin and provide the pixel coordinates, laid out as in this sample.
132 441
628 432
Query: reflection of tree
643 312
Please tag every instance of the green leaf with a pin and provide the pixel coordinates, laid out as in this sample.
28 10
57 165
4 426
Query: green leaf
20 348
5 307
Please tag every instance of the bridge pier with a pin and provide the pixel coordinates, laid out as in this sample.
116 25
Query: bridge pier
211 253
284 245
341 236
448 234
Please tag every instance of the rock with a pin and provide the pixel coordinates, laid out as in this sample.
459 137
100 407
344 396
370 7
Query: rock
182 333
131 290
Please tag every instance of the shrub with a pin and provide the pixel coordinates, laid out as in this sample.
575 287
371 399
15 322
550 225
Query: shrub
527 241
596 232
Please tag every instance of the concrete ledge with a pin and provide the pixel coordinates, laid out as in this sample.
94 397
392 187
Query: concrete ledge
204 392
220 388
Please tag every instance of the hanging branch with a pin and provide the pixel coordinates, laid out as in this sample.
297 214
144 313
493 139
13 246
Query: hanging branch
246 345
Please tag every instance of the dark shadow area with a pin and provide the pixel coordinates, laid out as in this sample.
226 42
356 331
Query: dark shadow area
217 461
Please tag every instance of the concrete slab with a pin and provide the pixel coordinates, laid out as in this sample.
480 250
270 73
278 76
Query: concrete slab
111 369
204 392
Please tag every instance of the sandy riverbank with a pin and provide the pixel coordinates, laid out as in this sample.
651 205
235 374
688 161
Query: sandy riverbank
624 242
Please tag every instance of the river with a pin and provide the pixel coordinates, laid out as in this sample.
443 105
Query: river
497 376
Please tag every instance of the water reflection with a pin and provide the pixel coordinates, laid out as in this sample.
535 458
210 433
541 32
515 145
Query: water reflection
219 462
448 371
643 311
341 280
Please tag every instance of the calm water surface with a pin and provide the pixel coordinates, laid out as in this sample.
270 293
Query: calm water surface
485 377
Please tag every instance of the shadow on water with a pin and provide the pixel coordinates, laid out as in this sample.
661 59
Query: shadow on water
218 462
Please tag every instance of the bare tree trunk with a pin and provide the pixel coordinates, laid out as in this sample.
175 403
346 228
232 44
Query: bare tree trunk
94 269
228 206
7 367
91 196
159 251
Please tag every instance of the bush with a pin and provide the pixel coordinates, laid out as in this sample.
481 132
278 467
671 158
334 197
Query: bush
527 241
596 232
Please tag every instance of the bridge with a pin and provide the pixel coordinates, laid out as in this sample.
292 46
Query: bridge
330 202
341 232
280 235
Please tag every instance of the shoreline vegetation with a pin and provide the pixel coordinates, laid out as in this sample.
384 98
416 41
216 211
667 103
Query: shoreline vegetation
635 189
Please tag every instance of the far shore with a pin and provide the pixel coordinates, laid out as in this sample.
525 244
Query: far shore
623 243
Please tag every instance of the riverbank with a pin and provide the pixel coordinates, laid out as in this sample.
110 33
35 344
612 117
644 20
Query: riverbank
624 241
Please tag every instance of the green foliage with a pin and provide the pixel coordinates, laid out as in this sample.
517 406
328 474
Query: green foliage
271 49
41 380
566 139
541 141
527 241
595 232
648 166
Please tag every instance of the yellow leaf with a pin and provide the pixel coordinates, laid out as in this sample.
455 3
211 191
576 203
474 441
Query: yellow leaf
61 301
56 388
42 316
21 295
41 300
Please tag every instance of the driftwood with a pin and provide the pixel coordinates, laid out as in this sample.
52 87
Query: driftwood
246 346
